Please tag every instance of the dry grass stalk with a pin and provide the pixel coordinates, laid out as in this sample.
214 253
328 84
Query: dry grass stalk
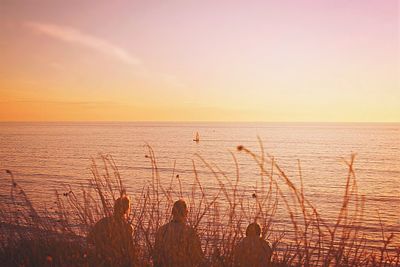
219 216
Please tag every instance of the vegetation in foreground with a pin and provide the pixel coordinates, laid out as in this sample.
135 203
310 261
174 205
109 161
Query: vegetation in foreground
29 237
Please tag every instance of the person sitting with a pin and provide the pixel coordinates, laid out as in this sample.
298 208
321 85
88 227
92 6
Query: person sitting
253 250
177 244
111 238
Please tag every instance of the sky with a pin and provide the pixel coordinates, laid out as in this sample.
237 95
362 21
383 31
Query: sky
272 61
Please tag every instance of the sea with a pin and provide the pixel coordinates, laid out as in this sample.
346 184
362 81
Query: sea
47 156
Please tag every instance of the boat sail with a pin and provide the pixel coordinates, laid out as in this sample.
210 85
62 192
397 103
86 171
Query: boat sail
197 138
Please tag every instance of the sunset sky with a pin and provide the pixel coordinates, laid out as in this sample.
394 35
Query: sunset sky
283 60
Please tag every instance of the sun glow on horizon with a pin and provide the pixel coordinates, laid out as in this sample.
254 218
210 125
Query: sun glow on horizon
333 61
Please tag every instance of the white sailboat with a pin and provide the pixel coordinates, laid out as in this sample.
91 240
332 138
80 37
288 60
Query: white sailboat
197 138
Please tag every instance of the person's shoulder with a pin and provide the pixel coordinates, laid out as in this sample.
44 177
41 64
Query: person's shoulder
99 227
267 245
245 240
163 227
240 244
102 222
126 226
189 229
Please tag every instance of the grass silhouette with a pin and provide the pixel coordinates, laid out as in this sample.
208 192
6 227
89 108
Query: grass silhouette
32 238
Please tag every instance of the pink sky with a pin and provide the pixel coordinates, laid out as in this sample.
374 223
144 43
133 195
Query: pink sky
192 61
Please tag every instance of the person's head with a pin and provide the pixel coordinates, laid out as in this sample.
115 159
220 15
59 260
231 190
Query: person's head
253 230
179 210
122 206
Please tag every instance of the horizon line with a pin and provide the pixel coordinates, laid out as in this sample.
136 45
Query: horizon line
199 121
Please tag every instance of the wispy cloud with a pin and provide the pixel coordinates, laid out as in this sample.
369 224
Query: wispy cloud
75 36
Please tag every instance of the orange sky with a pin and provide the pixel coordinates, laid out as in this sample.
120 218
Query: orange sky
184 61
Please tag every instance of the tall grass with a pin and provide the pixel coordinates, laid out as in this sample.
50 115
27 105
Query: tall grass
31 238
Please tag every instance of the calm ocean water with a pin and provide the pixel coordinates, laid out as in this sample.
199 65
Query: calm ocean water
45 155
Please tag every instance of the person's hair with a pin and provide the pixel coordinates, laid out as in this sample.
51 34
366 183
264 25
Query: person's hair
179 209
121 206
253 229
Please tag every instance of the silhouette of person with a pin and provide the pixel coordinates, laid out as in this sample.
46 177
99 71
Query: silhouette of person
111 238
177 244
253 250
